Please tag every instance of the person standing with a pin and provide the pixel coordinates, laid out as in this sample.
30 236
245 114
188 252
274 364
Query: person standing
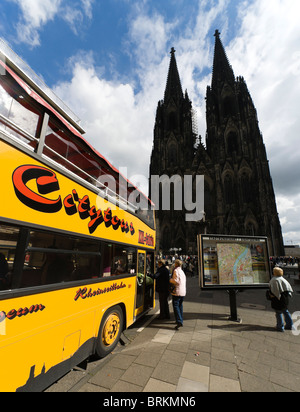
162 277
281 291
179 292
3 272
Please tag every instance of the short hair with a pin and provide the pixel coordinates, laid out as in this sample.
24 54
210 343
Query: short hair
178 263
277 271
162 262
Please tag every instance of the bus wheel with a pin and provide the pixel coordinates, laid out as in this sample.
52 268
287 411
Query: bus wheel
110 331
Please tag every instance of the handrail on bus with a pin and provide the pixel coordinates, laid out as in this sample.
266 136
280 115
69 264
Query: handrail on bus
116 198
13 125
37 144
21 66
108 193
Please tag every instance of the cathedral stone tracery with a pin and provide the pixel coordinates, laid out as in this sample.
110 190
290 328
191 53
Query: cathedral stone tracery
239 194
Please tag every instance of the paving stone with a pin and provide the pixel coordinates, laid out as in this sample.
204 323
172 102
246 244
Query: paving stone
255 368
197 373
224 369
207 354
124 387
273 361
107 377
147 359
176 358
285 379
89 387
251 383
199 358
137 374
167 372
155 385
163 336
225 355
122 361
220 384
187 385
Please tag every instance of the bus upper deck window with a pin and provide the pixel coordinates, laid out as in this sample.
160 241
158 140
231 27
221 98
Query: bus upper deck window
19 109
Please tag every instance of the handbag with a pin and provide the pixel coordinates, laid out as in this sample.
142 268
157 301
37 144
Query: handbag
172 288
268 295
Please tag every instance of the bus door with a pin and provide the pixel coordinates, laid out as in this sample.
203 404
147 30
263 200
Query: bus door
140 286
145 284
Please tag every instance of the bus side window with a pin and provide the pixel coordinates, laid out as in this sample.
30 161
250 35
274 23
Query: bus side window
53 258
118 260
8 243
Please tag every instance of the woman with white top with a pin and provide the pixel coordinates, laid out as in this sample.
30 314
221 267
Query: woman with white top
178 280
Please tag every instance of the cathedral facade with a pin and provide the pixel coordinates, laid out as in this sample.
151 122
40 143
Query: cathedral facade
239 197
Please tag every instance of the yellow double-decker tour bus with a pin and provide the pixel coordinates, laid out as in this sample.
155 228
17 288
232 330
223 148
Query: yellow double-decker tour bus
75 250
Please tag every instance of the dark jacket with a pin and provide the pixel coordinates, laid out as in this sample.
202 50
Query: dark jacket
162 277
281 304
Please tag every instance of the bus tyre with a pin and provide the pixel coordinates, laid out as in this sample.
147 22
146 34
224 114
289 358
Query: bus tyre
110 331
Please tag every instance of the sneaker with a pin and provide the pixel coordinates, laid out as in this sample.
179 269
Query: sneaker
292 328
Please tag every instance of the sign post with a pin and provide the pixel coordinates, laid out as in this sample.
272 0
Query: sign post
233 306
233 263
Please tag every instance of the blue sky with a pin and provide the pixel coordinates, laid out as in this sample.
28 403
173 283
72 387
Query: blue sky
105 29
108 60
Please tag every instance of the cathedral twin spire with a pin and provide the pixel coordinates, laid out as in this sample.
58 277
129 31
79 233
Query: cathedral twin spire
173 88
222 71
233 162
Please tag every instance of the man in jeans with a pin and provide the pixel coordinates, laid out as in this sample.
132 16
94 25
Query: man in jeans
179 281
281 291
162 277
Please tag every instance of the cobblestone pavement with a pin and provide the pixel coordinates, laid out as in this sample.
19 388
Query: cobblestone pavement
209 354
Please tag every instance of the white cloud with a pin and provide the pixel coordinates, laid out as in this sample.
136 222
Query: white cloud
150 36
119 120
75 13
267 53
289 210
87 7
35 14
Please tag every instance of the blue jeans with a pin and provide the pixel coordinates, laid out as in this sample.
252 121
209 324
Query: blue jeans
288 319
178 309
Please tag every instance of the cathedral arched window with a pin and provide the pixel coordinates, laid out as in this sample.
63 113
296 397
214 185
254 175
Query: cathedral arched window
228 106
232 143
229 190
208 201
250 229
172 121
234 229
246 188
172 155
166 240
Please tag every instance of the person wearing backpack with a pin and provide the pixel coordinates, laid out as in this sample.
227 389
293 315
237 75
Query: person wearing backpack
280 294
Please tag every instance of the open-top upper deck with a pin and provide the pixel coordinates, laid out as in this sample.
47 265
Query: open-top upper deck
35 120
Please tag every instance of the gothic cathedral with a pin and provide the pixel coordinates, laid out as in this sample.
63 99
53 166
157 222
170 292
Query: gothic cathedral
239 196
